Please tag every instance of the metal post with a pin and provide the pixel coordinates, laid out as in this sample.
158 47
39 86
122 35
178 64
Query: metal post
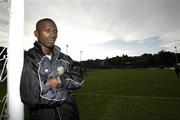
80 55
67 49
176 54
15 58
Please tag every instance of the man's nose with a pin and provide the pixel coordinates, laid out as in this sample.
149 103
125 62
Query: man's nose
52 34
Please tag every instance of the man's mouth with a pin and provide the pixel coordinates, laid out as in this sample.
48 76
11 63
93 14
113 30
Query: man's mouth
51 41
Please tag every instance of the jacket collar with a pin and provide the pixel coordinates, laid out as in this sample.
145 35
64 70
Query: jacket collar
55 52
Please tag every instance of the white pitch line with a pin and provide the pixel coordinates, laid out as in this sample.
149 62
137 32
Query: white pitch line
123 96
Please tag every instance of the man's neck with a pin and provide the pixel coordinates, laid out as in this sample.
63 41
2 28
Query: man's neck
46 51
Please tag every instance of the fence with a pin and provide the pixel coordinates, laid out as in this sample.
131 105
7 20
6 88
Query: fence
3 78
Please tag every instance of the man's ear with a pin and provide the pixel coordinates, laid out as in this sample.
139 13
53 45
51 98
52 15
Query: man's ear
36 33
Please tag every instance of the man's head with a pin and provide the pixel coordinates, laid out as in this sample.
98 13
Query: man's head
46 32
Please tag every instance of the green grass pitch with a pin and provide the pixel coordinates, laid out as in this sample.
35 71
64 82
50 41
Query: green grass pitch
127 94
130 94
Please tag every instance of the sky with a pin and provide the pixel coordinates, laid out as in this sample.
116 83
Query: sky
3 23
104 28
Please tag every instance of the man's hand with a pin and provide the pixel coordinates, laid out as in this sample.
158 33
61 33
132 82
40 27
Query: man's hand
53 82
72 92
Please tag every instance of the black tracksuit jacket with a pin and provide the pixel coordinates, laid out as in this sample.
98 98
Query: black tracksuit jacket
46 103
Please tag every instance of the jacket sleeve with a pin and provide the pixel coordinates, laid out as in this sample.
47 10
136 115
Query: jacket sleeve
30 87
73 79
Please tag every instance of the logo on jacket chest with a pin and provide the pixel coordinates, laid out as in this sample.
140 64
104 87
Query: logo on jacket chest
60 70
57 68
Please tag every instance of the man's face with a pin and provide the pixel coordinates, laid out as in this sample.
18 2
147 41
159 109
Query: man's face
46 33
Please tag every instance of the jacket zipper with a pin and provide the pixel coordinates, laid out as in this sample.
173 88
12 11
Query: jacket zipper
59 116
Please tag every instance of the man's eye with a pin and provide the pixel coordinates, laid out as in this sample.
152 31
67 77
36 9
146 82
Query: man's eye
46 30
55 31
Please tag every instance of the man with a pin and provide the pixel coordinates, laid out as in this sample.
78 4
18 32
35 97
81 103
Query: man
48 79
177 71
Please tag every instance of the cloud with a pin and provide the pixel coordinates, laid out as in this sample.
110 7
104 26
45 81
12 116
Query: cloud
137 47
4 23
146 24
136 18
105 27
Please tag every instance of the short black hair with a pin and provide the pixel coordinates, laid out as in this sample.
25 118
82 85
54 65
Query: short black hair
43 20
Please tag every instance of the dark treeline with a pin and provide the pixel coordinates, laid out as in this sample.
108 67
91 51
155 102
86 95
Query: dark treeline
160 60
